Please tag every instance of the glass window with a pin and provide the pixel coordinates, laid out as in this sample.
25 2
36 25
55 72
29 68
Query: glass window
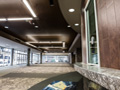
36 58
91 33
54 59
20 57
5 56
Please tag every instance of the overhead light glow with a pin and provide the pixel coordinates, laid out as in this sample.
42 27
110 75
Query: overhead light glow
51 47
29 8
3 19
77 24
63 44
71 10
68 26
19 19
6 27
36 26
49 42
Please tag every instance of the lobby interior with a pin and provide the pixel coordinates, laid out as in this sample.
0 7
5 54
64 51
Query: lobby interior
43 41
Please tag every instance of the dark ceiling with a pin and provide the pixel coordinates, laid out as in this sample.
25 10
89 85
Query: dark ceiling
52 25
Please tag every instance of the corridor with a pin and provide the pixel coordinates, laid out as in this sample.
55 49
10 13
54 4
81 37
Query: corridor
27 78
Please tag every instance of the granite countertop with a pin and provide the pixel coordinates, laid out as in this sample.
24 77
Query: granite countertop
106 77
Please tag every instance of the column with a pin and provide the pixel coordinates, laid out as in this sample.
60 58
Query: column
73 58
28 57
41 58
78 55
12 56
31 58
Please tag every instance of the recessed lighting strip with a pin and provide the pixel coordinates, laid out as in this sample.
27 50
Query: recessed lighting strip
49 42
19 19
29 8
3 19
15 19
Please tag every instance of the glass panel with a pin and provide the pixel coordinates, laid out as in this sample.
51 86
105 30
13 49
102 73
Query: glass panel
91 34
5 56
35 58
20 57
55 59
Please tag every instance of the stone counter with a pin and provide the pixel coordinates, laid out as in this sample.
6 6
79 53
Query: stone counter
106 77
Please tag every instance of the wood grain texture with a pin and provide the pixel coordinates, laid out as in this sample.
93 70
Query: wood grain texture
109 34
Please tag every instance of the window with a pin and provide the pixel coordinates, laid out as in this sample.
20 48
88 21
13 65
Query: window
36 58
54 59
92 33
20 57
5 56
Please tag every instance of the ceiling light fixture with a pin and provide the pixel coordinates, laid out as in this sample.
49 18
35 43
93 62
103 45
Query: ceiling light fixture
48 42
19 19
3 19
77 24
51 47
71 10
36 26
29 8
6 27
68 26
63 44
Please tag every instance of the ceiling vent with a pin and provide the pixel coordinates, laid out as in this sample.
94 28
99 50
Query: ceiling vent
51 2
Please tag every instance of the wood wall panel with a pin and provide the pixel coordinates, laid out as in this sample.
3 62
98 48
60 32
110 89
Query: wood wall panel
108 13
109 40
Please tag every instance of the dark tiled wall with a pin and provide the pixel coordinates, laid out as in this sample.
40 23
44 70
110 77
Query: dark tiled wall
108 12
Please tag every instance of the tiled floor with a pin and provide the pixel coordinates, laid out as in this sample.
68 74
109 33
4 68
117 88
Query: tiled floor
25 77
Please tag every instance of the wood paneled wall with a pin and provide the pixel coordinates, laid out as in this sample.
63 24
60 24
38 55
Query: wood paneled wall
108 13
109 32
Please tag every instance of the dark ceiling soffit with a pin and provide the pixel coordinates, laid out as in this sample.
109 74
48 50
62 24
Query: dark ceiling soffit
74 42
15 39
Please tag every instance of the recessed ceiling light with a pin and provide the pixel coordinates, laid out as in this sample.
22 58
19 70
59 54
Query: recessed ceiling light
68 26
71 10
77 24
33 23
6 27
29 8
36 26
